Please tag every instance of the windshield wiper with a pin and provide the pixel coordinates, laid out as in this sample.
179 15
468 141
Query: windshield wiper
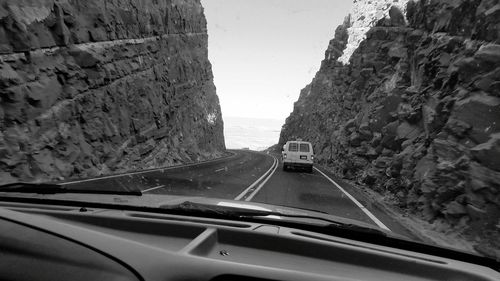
53 188
198 208
194 208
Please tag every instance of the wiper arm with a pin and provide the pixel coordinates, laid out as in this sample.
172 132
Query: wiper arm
249 213
53 188
333 224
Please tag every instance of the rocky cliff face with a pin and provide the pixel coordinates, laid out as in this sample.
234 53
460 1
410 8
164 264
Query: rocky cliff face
416 112
365 15
92 87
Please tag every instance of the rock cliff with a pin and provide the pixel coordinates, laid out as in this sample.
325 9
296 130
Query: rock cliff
365 15
95 87
415 114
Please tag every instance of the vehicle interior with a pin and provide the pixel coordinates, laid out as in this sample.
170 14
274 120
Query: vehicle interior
250 140
65 242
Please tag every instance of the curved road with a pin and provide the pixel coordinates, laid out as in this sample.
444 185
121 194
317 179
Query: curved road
252 176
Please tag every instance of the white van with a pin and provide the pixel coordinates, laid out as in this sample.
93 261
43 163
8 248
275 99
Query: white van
298 154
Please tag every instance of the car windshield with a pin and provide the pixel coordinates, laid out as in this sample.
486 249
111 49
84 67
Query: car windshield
390 109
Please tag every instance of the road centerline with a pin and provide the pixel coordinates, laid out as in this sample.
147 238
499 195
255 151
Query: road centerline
248 189
251 196
363 208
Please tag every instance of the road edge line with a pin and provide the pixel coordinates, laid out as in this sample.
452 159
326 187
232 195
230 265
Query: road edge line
251 196
363 208
255 182
146 171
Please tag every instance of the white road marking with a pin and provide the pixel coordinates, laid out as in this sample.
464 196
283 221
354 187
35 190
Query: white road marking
363 208
152 188
221 169
263 182
256 182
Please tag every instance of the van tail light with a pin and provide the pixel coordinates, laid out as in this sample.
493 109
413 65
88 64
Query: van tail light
284 155
312 157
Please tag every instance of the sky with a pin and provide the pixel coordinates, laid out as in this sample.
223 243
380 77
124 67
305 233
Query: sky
263 52
252 133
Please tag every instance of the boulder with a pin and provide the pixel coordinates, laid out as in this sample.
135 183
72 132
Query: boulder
389 134
147 147
44 162
447 150
377 138
397 51
355 139
45 92
482 125
382 162
430 116
8 76
369 177
488 153
489 53
84 59
476 213
488 177
406 131
6 178
455 209
457 127
396 16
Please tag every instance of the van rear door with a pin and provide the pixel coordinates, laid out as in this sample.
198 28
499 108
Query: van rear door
293 149
305 151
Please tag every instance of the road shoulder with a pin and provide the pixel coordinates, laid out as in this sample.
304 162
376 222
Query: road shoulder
397 219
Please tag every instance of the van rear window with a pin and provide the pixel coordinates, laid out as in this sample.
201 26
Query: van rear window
304 147
293 147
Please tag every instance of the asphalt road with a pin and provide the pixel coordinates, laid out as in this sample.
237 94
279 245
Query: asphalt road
256 177
223 178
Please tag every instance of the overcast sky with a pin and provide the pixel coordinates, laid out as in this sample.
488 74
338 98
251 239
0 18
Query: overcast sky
264 52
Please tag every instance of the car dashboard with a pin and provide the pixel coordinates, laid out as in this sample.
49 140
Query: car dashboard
42 242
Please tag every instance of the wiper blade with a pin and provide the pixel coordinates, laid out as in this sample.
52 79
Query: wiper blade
194 208
333 224
53 188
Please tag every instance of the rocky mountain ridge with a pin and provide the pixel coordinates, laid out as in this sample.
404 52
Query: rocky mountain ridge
365 15
415 115
95 87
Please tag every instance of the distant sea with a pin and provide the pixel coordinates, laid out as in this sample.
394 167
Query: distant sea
252 133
